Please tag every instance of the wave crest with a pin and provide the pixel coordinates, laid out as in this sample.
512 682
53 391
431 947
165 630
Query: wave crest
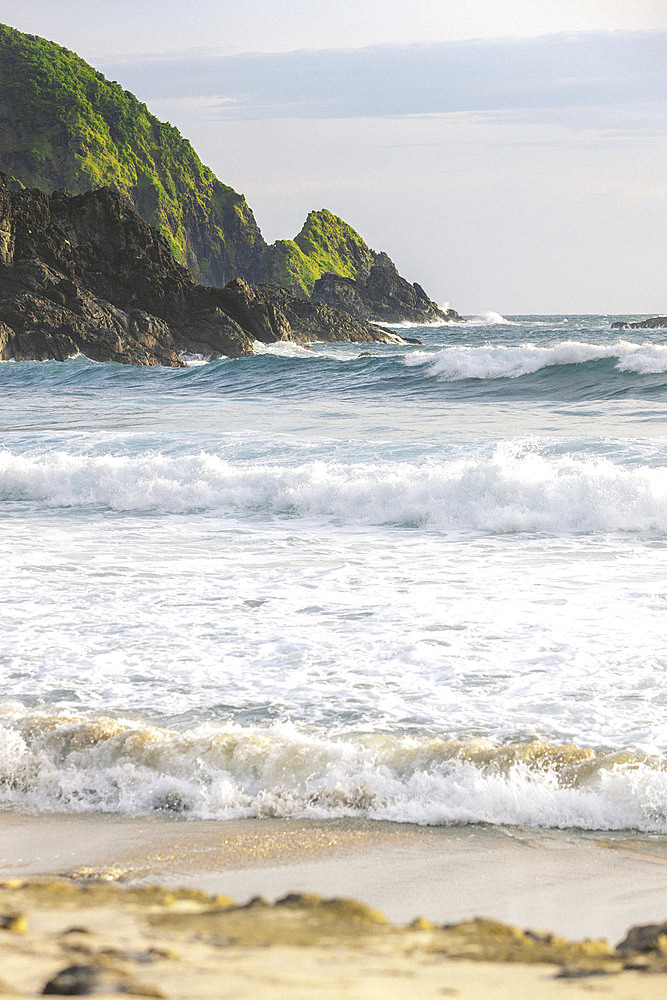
54 762
515 488
454 364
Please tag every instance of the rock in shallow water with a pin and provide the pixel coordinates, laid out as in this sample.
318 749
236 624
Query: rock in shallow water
654 323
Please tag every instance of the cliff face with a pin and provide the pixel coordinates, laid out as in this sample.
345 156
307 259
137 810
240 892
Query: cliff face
381 295
84 274
64 126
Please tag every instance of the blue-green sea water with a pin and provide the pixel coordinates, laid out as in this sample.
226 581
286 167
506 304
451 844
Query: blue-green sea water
417 582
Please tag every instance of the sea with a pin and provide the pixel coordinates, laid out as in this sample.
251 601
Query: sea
413 582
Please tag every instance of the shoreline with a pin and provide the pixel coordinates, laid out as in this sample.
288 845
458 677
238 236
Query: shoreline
166 907
575 883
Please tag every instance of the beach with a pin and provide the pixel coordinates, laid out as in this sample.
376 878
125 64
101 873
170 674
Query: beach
572 883
146 888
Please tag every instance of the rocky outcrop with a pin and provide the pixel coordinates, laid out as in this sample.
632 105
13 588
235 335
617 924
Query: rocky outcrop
311 321
63 125
654 323
84 274
383 296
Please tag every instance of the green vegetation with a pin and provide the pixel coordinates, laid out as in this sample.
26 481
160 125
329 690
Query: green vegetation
66 125
326 243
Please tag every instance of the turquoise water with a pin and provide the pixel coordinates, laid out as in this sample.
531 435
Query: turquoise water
359 580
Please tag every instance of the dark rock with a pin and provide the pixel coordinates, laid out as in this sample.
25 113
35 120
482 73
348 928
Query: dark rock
84 980
643 939
383 296
15 922
84 274
75 980
312 321
65 125
655 322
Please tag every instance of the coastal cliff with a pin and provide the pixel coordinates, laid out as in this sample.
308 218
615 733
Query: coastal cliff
65 126
84 274
382 295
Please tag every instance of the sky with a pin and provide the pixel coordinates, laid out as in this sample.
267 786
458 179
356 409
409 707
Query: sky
508 157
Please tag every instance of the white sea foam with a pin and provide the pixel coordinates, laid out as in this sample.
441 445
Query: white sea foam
248 582
74 764
490 319
650 359
282 349
195 360
489 361
514 488
408 325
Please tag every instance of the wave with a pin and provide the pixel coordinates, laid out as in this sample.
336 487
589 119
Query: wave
433 324
490 319
54 762
503 361
282 349
511 489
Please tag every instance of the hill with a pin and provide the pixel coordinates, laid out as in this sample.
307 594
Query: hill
64 125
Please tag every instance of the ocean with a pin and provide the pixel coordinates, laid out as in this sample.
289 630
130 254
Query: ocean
423 583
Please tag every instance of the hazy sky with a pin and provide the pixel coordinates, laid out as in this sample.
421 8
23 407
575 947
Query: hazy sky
507 156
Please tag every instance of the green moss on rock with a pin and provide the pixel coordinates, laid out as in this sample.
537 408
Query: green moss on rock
66 125
325 243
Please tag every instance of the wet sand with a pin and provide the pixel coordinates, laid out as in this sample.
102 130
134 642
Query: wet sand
572 883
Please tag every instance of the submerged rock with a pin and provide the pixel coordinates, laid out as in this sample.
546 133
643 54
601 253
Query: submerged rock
84 980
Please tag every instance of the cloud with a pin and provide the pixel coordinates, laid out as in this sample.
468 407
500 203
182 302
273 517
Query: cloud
554 73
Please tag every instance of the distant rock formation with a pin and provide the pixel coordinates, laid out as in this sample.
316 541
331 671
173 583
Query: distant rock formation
382 296
65 126
84 274
654 323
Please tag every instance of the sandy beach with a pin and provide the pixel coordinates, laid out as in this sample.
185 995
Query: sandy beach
561 886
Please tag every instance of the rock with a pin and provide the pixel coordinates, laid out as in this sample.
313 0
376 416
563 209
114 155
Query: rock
75 980
383 296
312 321
644 938
84 274
15 922
655 322
65 125
83 980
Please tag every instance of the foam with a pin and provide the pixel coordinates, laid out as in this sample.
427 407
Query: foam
647 360
195 360
59 762
490 319
503 361
282 349
514 488
435 324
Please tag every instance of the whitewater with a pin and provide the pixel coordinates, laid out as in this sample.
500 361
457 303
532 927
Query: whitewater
418 582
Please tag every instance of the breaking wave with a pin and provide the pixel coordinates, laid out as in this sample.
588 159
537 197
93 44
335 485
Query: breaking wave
512 361
58 762
511 489
490 319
